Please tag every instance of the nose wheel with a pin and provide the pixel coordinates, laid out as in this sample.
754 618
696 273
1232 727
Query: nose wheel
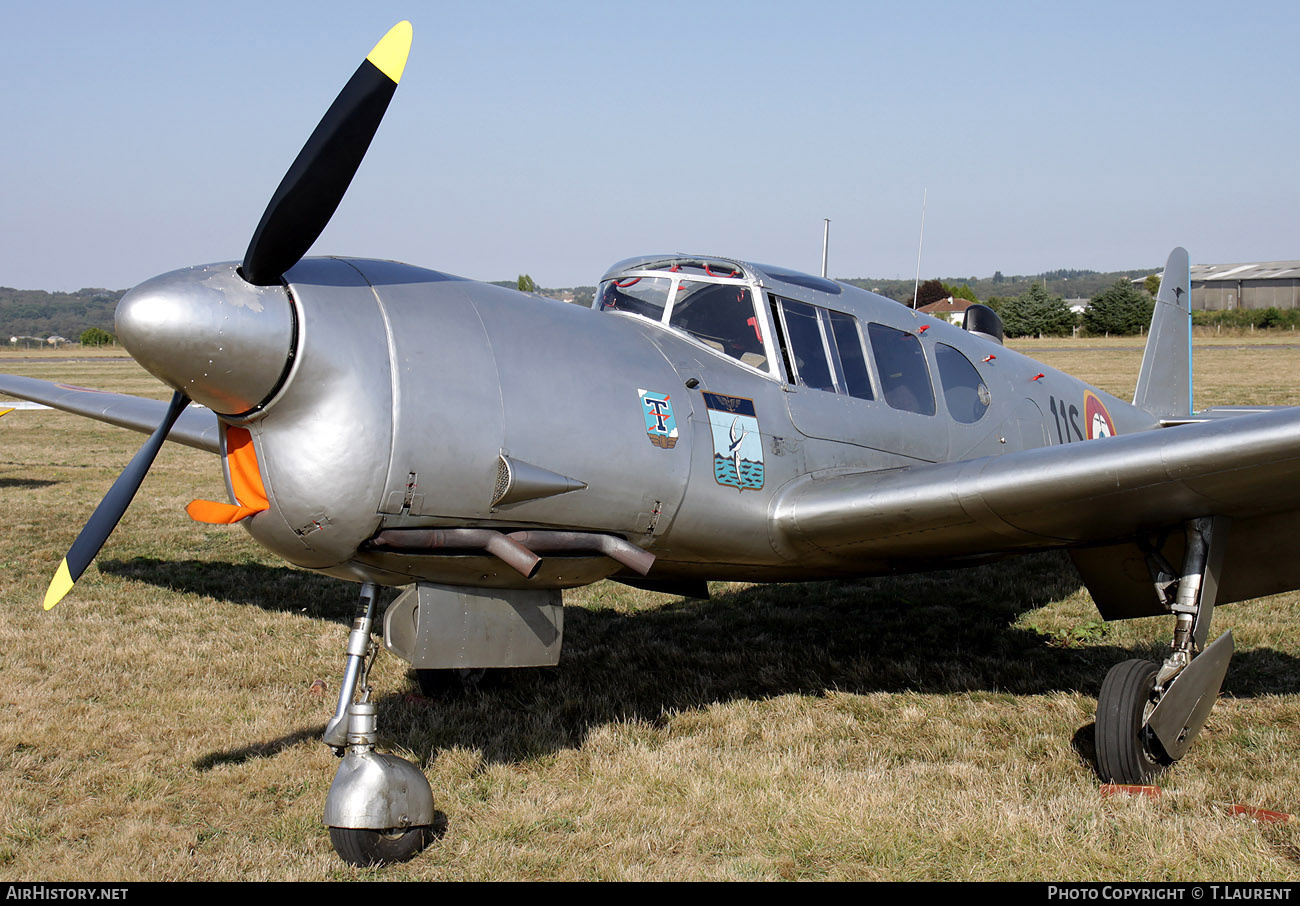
362 846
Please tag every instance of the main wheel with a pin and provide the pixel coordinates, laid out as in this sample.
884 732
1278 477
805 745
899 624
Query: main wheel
1127 750
361 846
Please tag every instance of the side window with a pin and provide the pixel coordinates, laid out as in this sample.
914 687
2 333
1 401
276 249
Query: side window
826 349
806 347
853 364
963 389
722 316
904 377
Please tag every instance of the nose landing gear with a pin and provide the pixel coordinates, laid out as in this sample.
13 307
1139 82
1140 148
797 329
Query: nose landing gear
380 807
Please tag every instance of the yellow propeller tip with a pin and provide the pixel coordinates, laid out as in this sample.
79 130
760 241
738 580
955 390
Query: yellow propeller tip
60 585
389 55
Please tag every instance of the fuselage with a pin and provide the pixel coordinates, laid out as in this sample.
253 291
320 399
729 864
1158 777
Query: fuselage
677 413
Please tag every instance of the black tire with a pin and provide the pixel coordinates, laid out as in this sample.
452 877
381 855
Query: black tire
1128 752
441 683
364 847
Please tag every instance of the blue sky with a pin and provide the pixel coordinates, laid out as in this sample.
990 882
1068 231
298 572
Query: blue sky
556 138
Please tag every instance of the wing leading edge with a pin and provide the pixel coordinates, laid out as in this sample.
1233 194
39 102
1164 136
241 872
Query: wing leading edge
196 427
1106 491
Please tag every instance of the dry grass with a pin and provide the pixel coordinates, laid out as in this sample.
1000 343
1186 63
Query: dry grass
159 723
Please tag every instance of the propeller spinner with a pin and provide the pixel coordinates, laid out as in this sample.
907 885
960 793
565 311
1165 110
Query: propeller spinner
179 326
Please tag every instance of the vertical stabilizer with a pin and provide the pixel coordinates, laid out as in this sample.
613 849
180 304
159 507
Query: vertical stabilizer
1164 386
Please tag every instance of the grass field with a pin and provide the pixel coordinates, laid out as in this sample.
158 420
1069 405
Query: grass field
163 721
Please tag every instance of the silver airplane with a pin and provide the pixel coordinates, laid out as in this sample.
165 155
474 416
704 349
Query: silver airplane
705 419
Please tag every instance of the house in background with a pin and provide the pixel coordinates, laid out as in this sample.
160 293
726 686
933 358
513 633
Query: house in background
950 309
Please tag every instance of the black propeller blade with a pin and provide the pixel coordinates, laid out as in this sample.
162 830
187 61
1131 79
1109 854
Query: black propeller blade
296 215
314 185
110 509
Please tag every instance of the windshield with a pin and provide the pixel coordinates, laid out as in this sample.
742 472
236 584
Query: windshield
639 295
708 300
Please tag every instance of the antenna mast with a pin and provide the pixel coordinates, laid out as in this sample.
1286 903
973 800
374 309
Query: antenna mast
826 239
916 286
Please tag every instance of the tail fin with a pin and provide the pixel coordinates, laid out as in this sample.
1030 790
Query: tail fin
1164 386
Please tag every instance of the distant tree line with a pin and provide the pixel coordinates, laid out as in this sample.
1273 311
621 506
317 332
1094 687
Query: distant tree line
41 314
1250 318
1026 305
1118 310
1035 313
1066 283
37 313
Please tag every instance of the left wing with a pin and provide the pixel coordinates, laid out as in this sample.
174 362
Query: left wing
1098 492
197 427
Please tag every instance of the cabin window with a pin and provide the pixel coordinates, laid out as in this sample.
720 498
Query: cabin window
964 391
825 348
722 317
848 348
904 377
646 296
804 333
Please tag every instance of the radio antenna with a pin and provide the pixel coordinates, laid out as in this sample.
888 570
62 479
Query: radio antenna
826 239
916 286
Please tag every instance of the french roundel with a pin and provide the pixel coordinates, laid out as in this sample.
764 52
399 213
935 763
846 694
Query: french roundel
1096 417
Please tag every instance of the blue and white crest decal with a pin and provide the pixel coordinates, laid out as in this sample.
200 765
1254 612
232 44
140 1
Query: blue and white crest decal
737 443
660 423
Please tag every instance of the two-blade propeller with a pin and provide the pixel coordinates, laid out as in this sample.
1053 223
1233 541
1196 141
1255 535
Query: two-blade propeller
297 213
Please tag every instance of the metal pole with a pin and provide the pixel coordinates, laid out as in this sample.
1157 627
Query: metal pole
354 666
826 239
916 286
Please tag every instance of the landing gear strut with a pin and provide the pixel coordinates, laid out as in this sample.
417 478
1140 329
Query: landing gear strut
380 807
1147 713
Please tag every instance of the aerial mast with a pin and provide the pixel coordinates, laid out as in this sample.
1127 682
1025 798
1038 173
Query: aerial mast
826 238
916 286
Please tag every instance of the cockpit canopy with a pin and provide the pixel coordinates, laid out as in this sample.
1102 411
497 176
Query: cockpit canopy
712 301
799 328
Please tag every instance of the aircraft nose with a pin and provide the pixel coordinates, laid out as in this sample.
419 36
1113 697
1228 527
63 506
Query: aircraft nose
206 332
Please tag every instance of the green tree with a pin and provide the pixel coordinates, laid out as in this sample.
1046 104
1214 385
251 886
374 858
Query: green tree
930 291
1119 309
1151 285
997 303
525 284
961 292
96 336
1037 313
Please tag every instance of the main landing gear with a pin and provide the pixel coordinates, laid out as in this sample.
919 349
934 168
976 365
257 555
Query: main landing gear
380 807
1147 713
